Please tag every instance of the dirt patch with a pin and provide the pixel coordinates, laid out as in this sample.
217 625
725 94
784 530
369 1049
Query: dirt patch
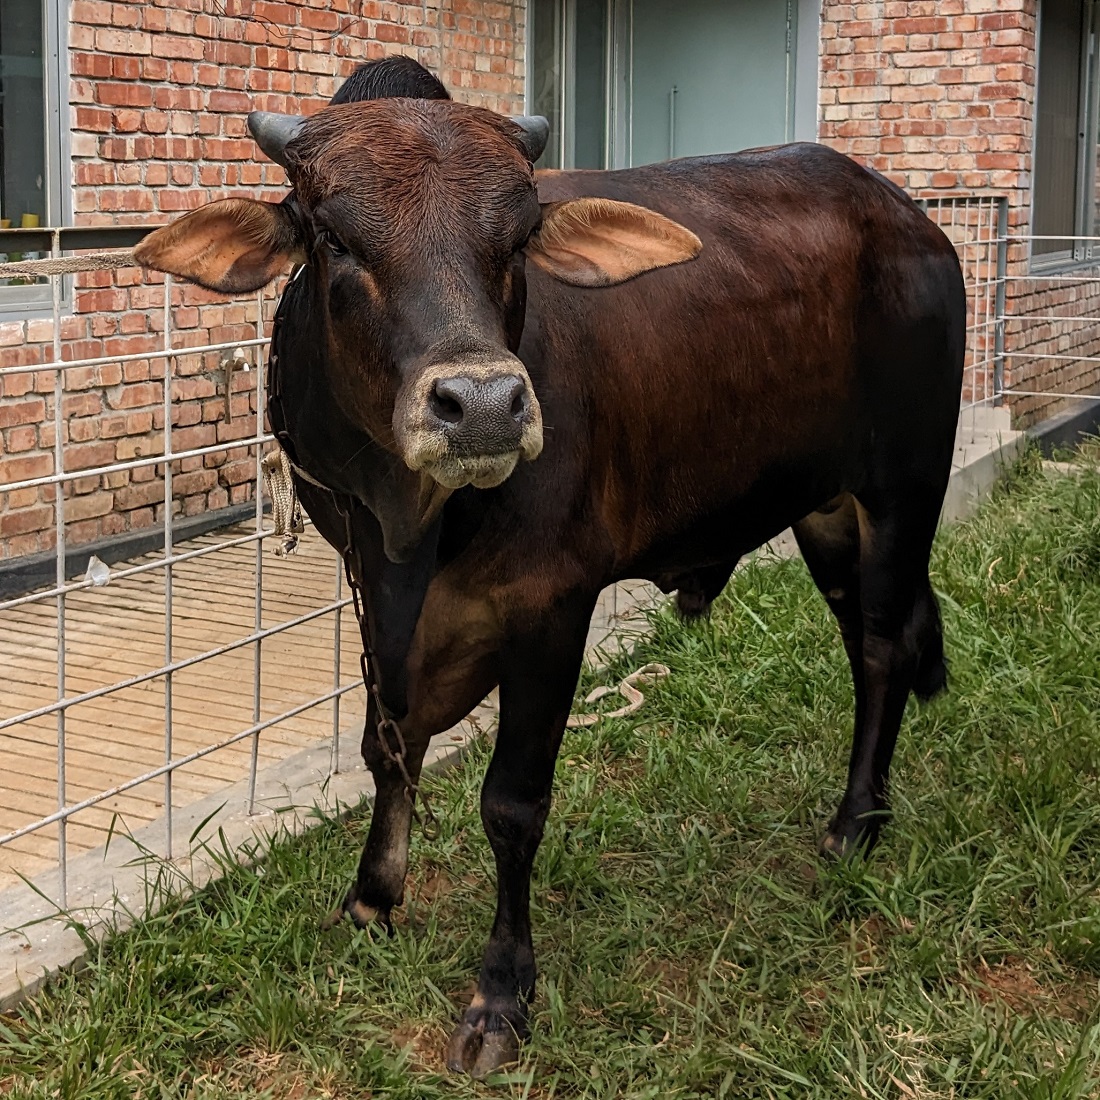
261 1071
423 1046
1013 982
463 998
867 941
431 884
667 978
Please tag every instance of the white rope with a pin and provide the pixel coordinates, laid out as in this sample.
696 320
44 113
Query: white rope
286 510
647 674
69 265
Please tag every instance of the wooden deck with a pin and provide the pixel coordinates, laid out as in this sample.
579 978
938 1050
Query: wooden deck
116 632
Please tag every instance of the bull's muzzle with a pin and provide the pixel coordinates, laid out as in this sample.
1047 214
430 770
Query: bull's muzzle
480 416
471 423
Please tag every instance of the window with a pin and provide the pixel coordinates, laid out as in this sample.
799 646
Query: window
31 185
1066 117
568 80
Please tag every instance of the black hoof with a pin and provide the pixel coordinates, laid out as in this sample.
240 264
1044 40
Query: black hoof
931 679
484 1041
692 604
852 837
361 915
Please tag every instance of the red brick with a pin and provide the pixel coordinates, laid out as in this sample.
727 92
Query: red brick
30 411
136 396
88 507
236 102
94 118
84 404
139 496
24 469
24 521
89 455
124 95
22 498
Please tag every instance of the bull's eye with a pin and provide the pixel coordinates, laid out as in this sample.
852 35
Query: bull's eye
332 242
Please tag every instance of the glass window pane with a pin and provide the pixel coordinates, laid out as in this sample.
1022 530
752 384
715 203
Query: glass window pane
569 79
590 88
22 114
1057 124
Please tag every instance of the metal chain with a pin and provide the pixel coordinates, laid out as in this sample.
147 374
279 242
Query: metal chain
425 818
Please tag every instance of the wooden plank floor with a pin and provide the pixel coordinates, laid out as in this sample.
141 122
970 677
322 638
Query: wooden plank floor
117 632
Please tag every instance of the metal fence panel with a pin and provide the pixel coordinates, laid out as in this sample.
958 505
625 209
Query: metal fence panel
177 670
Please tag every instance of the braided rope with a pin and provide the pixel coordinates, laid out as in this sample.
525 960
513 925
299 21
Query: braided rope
286 511
70 265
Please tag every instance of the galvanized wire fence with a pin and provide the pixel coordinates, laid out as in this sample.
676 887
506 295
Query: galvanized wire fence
138 695
1033 329
977 225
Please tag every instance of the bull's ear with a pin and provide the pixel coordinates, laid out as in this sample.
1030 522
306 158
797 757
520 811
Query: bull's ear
598 242
234 245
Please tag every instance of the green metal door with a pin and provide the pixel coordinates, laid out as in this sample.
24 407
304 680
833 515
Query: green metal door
709 76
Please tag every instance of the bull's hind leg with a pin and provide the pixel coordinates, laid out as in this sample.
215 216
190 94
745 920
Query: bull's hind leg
829 542
901 649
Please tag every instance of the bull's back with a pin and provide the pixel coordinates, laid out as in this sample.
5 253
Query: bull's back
750 381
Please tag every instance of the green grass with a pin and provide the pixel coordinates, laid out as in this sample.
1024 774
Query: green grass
690 942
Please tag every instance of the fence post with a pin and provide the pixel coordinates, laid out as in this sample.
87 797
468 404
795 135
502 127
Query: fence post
999 318
59 576
169 539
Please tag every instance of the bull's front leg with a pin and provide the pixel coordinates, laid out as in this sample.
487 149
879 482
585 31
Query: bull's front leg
439 699
380 881
538 676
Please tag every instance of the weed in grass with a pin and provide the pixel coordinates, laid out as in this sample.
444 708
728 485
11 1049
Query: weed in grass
691 945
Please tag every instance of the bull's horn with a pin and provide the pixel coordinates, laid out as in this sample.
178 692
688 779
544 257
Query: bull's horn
273 132
536 133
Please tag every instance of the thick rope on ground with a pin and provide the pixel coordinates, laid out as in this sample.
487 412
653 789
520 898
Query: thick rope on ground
647 674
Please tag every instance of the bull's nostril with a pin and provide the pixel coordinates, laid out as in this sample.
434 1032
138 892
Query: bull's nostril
445 404
486 415
514 391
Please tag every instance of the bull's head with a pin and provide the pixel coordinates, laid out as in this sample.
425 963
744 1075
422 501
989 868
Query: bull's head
416 219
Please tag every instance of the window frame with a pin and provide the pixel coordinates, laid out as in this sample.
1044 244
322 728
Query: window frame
1081 252
29 302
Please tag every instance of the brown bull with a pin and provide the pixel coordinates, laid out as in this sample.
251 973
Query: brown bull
519 389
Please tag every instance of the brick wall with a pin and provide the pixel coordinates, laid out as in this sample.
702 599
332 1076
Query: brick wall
937 94
159 94
940 96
